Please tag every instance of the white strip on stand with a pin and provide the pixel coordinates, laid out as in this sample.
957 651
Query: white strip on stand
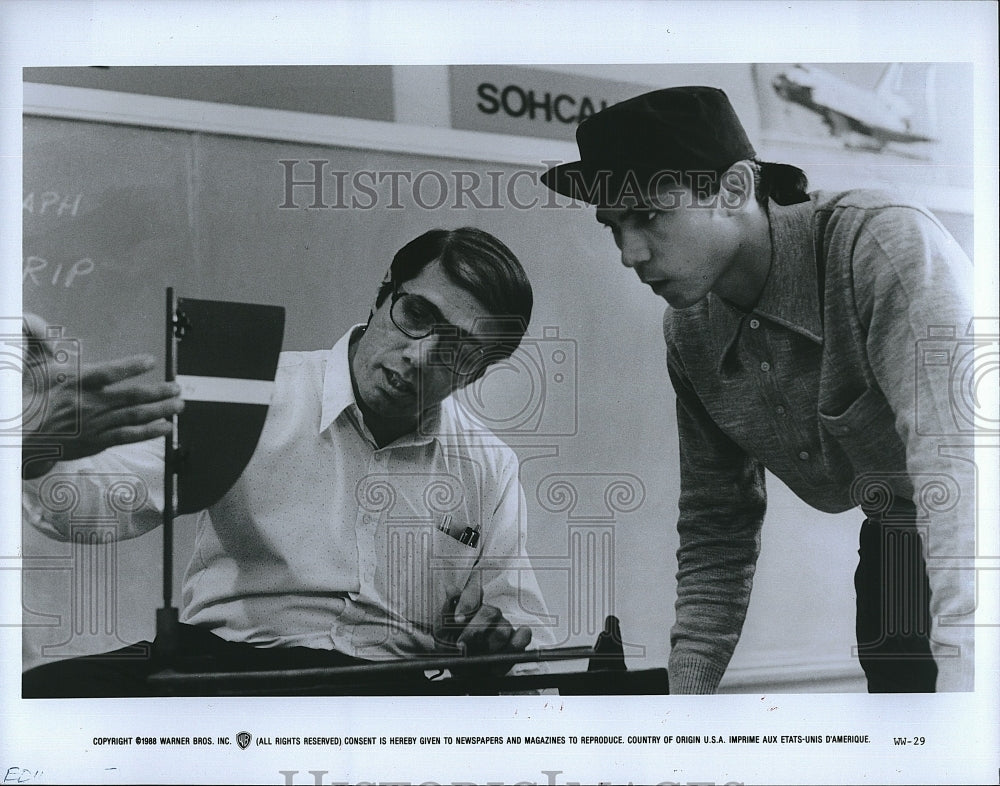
225 389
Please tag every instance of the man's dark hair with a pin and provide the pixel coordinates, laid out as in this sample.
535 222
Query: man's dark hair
783 183
480 264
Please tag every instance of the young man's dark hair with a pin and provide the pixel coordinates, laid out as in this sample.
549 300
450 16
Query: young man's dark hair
782 184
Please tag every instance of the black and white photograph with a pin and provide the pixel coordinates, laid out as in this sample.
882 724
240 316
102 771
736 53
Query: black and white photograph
429 393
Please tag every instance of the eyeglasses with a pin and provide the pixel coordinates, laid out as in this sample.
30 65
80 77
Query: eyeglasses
456 349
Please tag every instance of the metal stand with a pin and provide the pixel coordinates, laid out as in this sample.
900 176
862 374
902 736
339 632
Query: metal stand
167 623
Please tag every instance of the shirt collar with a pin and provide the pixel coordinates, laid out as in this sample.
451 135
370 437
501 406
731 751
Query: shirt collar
790 296
338 395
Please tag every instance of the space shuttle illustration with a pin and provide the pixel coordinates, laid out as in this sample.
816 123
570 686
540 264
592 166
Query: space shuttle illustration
865 118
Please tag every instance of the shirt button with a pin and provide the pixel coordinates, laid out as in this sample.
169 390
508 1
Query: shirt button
804 455
780 410
765 366
754 324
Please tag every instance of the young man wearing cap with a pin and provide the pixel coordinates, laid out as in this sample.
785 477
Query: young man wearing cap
792 346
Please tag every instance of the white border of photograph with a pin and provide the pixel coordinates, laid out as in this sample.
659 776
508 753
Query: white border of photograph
52 741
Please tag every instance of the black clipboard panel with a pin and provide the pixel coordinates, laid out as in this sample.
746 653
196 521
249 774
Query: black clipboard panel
220 341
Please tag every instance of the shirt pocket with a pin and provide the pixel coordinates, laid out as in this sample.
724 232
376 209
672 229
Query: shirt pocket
866 432
424 572
451 566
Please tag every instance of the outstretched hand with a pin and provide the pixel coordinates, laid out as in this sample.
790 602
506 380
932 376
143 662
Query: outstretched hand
72 414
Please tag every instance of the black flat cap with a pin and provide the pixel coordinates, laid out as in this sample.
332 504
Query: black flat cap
638 142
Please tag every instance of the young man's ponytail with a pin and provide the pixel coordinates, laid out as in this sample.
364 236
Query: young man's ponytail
785 184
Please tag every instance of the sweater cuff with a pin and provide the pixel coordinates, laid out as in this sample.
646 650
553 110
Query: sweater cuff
693 674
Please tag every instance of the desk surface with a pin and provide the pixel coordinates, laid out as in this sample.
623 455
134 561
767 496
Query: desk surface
449 675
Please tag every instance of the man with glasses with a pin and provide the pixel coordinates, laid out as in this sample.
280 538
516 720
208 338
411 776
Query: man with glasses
376 519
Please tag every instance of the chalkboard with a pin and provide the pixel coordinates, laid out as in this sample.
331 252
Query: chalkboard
107 227
115 214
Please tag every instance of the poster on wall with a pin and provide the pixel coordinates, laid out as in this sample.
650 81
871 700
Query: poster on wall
901 125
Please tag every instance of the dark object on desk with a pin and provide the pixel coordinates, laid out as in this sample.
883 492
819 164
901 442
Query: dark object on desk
606 675
609 651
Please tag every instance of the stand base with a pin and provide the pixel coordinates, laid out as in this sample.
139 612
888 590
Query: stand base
167 634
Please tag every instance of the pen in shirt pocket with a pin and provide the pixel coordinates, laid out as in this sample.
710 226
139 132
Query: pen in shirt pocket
468 536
